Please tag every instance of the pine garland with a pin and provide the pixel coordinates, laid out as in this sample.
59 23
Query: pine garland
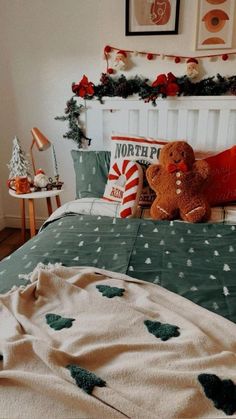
122 87
75 133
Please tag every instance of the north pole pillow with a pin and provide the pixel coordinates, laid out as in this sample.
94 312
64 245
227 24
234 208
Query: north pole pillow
143 150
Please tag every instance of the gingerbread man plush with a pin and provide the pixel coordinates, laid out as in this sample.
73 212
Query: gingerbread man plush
179 181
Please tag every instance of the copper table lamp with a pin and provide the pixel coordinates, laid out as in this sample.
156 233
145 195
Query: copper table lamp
41 142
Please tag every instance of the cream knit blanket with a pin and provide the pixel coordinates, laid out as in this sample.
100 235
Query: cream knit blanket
86 343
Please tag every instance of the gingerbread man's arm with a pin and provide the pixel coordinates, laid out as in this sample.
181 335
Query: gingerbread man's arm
201 167
153 172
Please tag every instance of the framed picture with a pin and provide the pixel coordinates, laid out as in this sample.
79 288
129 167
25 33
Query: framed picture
151 17
215 24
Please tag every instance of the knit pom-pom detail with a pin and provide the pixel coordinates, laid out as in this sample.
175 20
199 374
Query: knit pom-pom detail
85 379
57 322
221 392
164 331
110 292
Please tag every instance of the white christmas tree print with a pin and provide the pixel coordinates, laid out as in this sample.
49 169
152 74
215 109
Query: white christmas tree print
156 280
225 291
215 306
18 165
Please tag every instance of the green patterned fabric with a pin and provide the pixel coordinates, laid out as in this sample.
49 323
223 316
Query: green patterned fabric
91 171
196 261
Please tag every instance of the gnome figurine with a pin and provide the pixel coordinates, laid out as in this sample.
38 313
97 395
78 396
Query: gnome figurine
40 179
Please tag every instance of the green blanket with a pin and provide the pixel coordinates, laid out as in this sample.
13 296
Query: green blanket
196 261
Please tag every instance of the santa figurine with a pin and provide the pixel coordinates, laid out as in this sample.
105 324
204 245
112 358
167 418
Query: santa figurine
192 68
120 60
40 179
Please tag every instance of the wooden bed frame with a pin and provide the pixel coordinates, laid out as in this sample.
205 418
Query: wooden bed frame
206 122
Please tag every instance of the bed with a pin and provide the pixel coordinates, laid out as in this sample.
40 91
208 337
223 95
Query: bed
105 316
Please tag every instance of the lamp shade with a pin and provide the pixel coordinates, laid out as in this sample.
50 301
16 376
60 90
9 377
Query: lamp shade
40 140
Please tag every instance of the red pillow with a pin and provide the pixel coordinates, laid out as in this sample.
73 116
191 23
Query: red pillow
222 185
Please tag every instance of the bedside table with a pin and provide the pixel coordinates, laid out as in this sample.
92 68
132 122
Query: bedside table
31 197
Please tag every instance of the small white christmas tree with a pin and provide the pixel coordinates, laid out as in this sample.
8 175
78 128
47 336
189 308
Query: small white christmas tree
18 165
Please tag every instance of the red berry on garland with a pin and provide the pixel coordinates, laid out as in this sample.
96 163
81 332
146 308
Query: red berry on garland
225 57
110 70
107 49
177 60
150 56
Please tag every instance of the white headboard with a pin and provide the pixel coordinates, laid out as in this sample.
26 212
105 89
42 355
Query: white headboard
206 122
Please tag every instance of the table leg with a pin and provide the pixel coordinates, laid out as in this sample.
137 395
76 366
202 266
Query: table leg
22 210
58 201
32 217
49 205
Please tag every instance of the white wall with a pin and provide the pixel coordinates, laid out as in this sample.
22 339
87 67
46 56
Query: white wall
46 45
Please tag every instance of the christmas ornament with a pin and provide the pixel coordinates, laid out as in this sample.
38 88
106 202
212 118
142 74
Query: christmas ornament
225 57
177 60
110 70
40 179
192 68
120 60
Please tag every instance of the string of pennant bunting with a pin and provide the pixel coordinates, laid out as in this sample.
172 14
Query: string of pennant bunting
123 53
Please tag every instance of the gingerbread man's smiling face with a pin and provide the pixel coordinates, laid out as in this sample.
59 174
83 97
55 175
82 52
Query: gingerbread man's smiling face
177 153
